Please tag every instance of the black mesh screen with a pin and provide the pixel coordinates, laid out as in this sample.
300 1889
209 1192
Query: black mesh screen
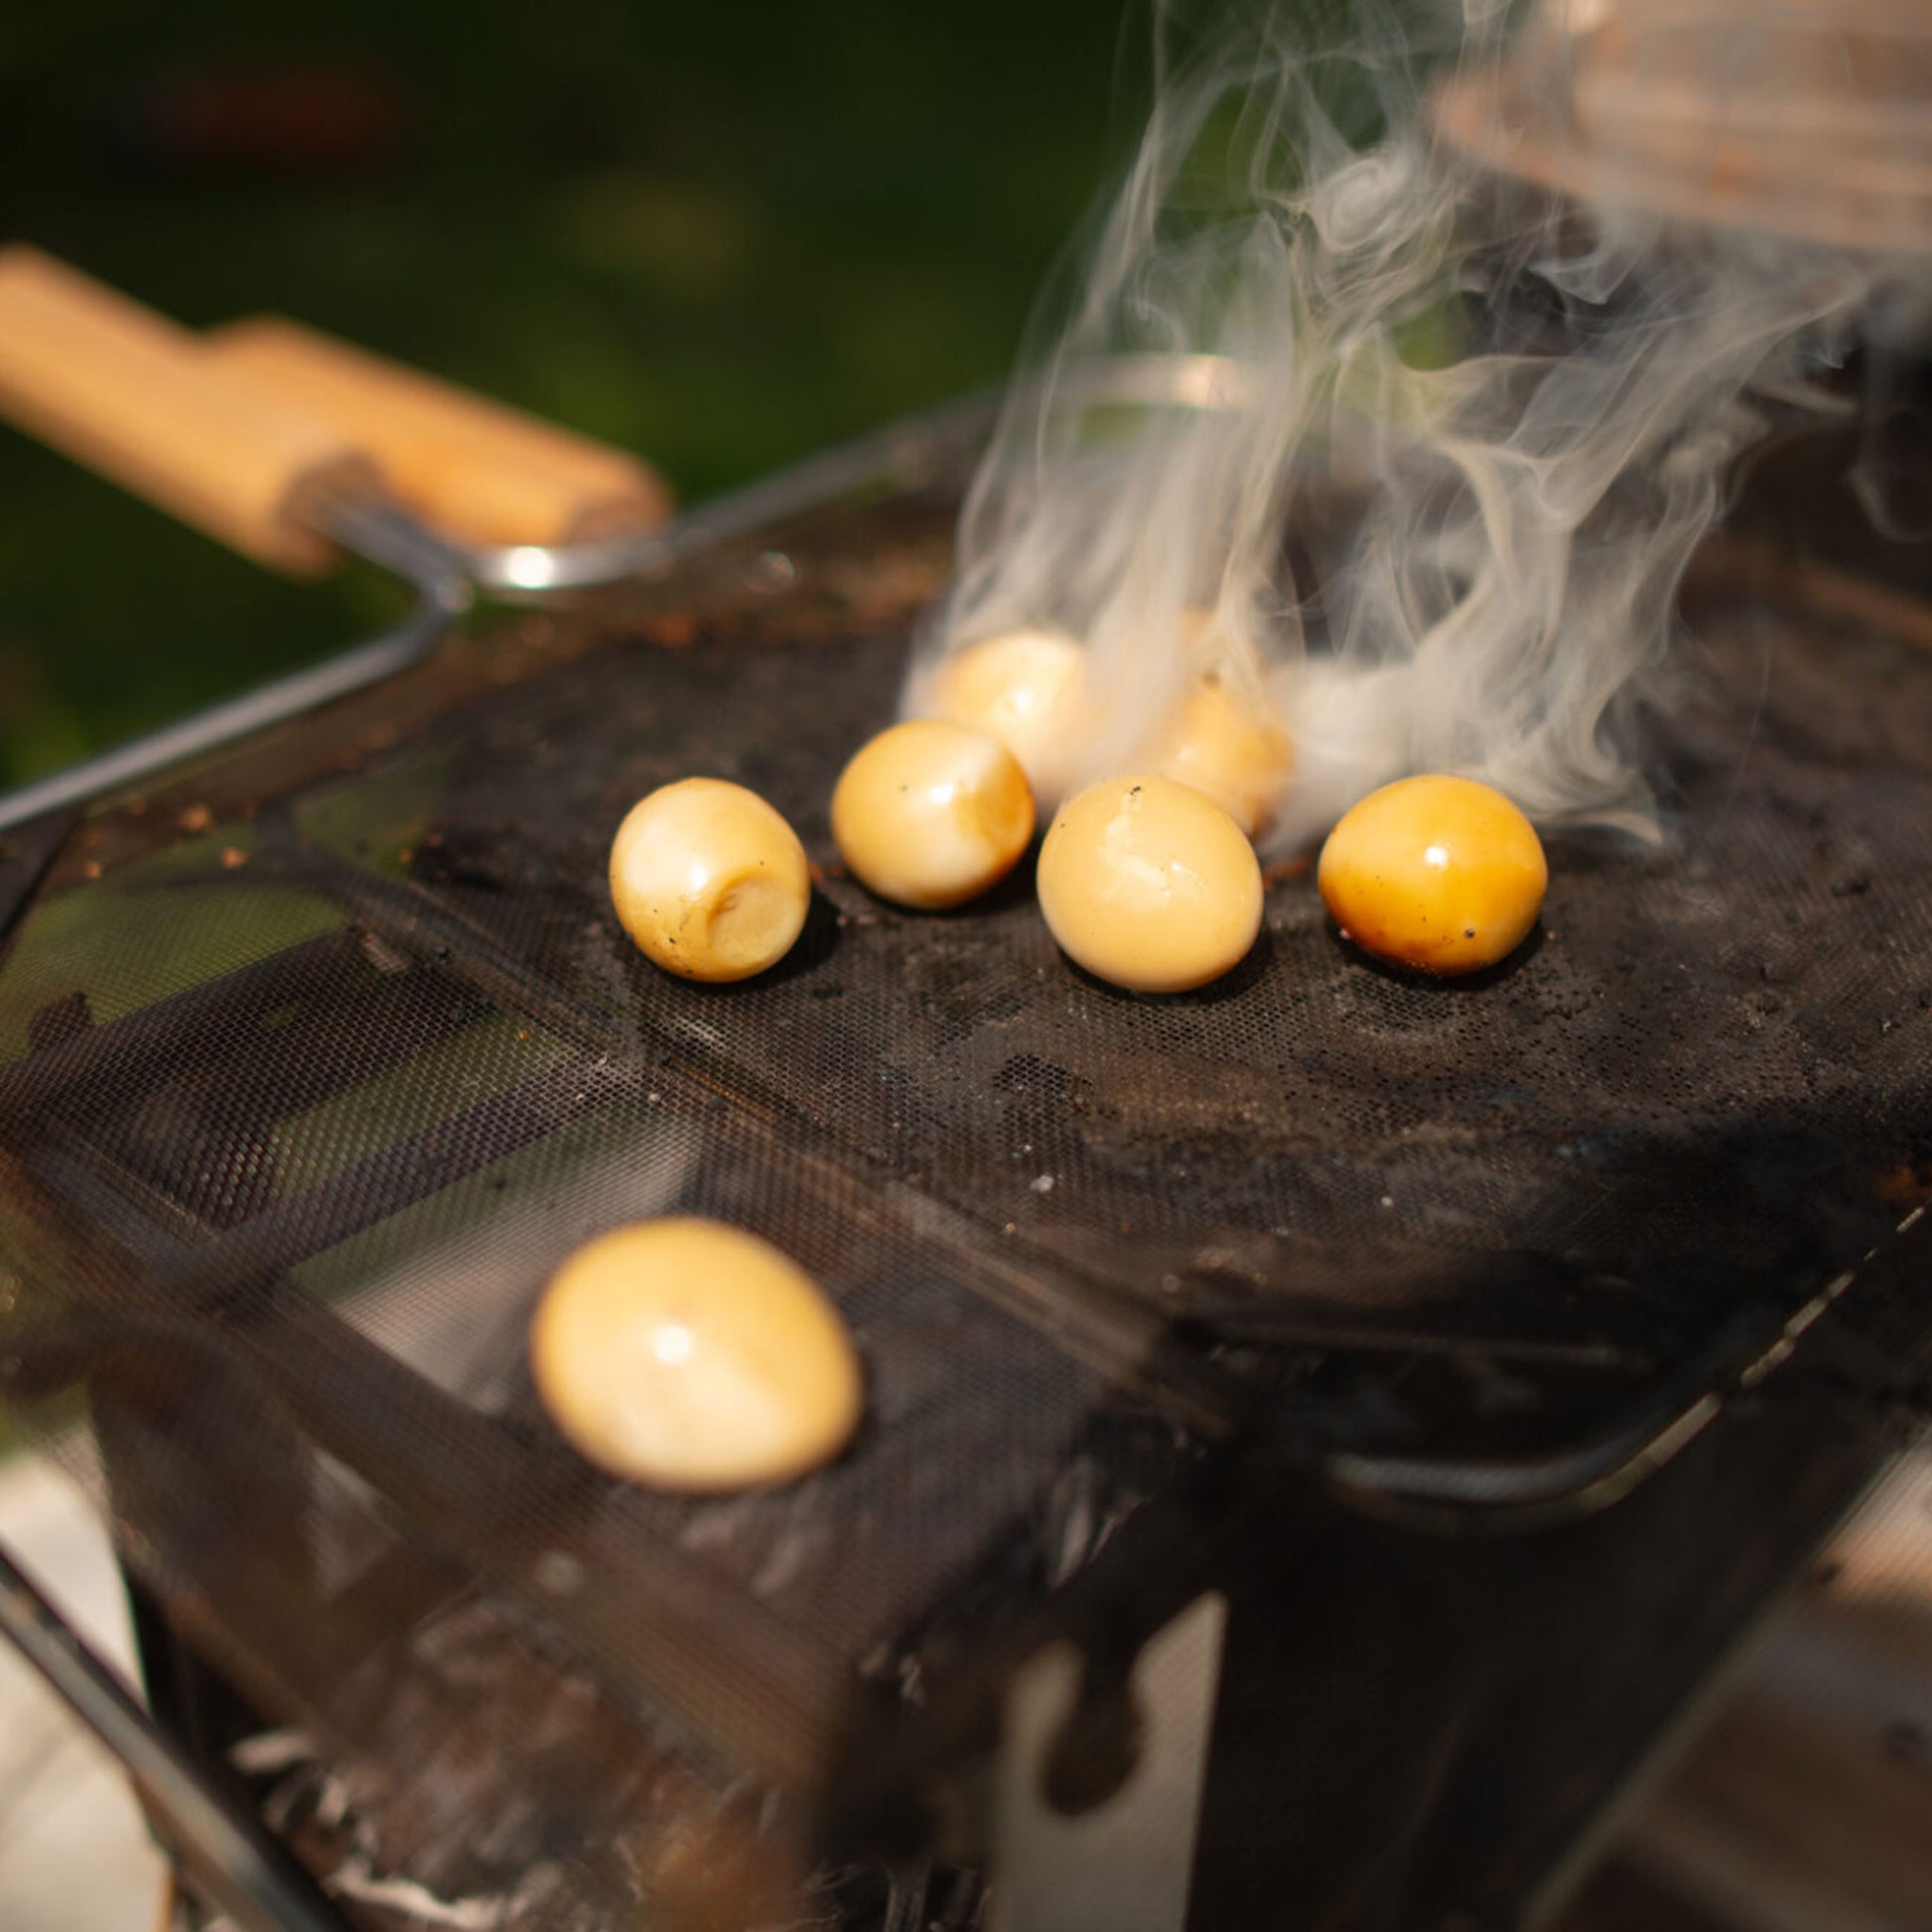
317 1061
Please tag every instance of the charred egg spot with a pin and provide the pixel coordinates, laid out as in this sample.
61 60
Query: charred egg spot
709 879
1441 874
931 814
1149 883
692 1356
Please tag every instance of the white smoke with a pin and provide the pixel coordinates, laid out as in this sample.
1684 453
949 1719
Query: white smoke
1529 402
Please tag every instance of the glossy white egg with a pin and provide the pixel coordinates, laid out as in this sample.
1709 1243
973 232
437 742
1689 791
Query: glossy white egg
1026 688
931 814
689 1355
709 879
1147 882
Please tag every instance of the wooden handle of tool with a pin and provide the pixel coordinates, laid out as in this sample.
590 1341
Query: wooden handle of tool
138 398
474 468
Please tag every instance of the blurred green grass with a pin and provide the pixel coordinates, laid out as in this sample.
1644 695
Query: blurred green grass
722 237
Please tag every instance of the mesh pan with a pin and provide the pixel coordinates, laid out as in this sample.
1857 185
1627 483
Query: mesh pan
318 1060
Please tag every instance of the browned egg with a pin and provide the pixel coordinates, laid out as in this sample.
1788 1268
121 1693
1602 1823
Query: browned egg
931 814
709 879
1147 882
1237 753
1023 688
1441 874
688 1355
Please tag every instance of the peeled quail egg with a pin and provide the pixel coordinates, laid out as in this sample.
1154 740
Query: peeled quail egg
930 814
709 879
689 1355
1147 882
1238 754
1023 688
1441 874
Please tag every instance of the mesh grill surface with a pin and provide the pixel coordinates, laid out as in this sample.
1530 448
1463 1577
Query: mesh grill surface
320 1061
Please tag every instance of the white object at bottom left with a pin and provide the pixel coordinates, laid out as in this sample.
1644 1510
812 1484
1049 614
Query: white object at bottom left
74 1851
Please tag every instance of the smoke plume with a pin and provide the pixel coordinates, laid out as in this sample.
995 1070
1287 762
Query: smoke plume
1449 435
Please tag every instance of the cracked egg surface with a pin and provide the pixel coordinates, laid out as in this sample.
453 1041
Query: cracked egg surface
709 879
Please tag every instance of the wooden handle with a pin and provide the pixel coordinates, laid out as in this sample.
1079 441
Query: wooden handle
140 399
475 469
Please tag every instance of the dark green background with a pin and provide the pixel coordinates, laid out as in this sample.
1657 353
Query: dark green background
722 236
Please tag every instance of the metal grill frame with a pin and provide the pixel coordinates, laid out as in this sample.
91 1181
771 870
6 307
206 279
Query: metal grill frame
1523 1494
